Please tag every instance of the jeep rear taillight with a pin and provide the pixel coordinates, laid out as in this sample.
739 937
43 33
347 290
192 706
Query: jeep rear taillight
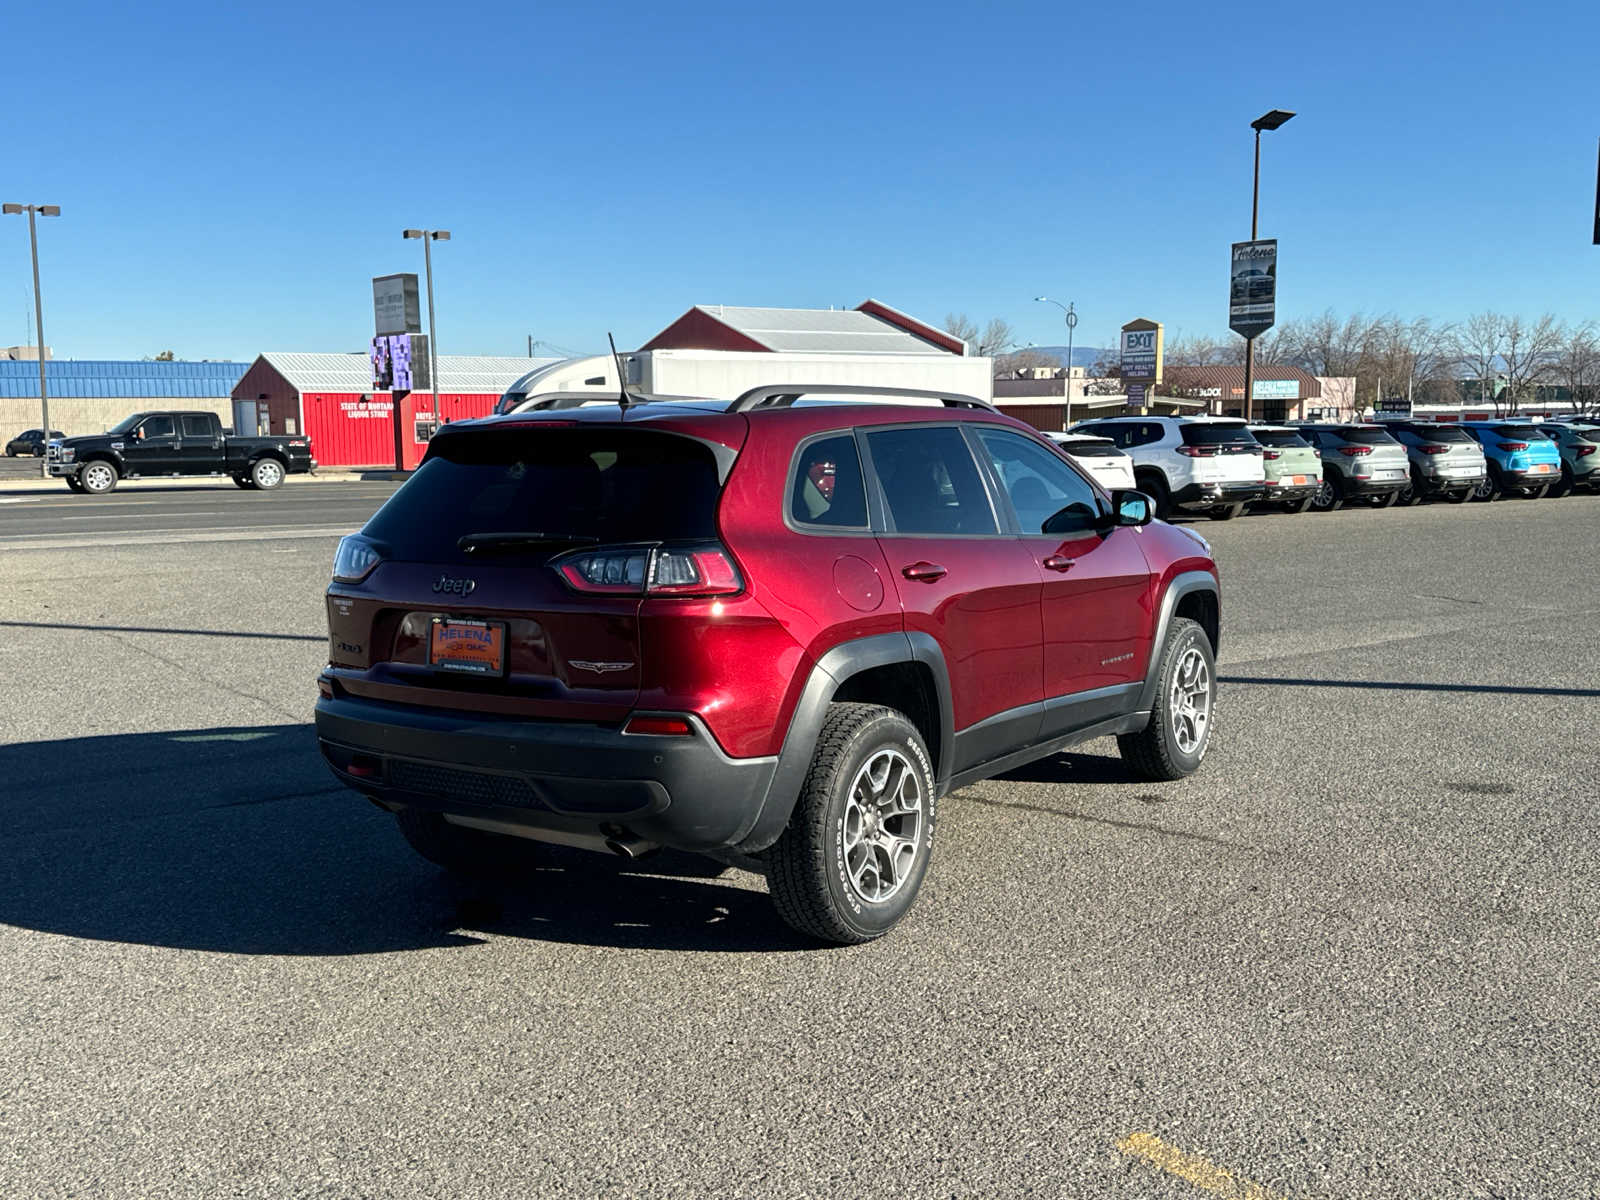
1512 447
1355 451
702 569
355 559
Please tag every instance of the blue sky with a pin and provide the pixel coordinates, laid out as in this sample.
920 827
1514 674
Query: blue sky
232 176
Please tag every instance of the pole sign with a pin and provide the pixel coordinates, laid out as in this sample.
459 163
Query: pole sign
395 305
1141 351
1135 402
400 363
1253 287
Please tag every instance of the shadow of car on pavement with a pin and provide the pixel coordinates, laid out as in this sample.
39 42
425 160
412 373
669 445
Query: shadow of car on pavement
238 840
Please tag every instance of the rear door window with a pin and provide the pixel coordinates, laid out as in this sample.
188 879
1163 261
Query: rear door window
930 482
573 487
197 427
827 488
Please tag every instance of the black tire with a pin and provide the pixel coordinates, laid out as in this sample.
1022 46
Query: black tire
98 477
1225 512
1297 506
1412 494
73 485
1538 493
267 473
10 453
1462 496
1564 485
1387 500
1160 495
1330 496
244 482
1156 752
1489 490
463 851
38 451
810 870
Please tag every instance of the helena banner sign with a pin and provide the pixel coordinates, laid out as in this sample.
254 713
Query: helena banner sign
1253 287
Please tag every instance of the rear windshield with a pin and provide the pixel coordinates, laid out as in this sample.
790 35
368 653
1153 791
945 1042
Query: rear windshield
1526 433
1096 448
1366 437
609 485
1442 433
1216 434
1280 437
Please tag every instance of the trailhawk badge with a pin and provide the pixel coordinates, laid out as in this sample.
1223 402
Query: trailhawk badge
599 668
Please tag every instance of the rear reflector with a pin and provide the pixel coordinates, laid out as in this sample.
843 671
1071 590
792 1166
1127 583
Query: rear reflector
363 767
659 726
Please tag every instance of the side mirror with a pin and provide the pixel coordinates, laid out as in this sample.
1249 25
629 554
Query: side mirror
1132 508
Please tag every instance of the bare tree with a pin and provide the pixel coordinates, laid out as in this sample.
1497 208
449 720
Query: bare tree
962 326
1530 355
1409 354
1578 366
996 335
1478 345
1025 359
1199 351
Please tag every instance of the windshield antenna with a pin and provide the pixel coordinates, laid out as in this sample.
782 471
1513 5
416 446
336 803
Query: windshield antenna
622 374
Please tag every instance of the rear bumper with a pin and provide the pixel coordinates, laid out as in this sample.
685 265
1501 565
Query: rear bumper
1528 479
1363 485
1434 485
1290 491
1208 495
556 778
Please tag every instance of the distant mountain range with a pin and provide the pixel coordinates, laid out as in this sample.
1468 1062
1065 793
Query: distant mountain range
1082 356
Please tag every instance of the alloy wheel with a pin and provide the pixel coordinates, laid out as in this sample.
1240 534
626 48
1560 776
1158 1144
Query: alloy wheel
882 825
1190 701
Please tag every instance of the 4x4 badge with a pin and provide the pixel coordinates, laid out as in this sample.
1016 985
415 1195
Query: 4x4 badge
600 668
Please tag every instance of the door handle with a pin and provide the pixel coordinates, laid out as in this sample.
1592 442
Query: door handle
1059 562
924 572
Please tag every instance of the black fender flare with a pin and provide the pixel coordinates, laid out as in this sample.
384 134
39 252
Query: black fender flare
829 673
1184 584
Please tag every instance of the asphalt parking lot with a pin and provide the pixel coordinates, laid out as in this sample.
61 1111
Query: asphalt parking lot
1355 956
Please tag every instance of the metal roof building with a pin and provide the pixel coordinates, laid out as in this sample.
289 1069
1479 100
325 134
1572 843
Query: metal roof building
872 327
353 372
112 380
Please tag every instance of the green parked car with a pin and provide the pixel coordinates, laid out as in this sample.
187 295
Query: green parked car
1292 465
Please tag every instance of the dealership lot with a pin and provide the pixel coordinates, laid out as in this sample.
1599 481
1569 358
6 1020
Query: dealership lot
1354 956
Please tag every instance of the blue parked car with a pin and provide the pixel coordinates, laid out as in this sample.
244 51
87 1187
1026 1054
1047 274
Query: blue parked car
1521 458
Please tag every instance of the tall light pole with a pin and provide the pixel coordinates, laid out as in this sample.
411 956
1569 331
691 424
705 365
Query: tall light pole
1271 120
43 210
1072 323
429 236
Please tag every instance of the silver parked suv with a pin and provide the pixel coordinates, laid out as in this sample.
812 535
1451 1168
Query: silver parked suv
1359 462
1203 464
1445 461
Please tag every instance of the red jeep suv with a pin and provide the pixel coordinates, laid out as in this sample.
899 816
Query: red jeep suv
774 632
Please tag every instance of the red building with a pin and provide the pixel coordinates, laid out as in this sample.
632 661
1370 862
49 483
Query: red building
330 399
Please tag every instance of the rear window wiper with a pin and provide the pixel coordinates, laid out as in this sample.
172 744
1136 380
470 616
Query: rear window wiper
515 539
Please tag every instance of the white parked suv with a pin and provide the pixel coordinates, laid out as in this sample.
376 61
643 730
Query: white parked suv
1200 464
1111 468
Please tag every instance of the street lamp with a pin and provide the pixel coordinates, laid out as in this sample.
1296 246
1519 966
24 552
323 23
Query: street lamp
43 210
429 236
1072 323
1272 120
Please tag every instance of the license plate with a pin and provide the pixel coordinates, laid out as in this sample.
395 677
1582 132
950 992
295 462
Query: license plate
1294 480
1387 474
1540 469
468 647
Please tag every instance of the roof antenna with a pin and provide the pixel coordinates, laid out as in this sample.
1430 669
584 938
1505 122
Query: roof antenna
622 374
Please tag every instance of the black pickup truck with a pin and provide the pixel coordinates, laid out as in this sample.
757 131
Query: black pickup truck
150 445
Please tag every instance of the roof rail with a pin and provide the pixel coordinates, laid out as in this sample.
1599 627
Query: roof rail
783 395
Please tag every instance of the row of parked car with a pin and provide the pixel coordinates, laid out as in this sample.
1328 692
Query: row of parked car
1219 465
